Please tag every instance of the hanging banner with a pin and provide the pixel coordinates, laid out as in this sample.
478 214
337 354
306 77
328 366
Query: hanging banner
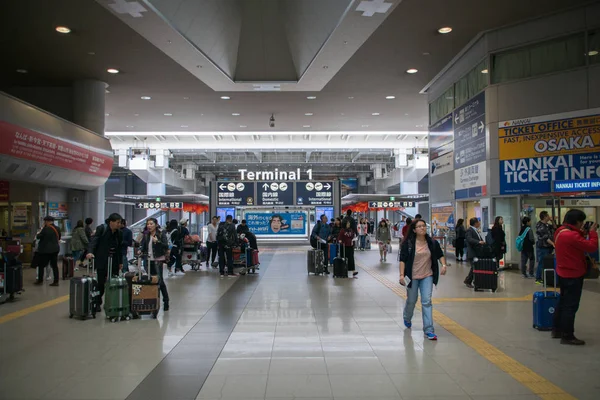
292 223
534 152
441 137
469 132
442 164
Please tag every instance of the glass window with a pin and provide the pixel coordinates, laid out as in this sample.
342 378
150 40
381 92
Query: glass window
594 47
441 106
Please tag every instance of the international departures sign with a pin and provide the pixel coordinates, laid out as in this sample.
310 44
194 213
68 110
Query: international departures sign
272 193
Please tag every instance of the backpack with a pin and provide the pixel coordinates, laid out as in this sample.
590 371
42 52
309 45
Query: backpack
170 238
226 236
521 239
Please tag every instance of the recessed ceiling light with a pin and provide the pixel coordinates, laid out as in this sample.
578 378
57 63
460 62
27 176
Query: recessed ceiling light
593 53
186 98
184 126
364 126
168 114
351 97
306 126
412 71
91 53
390 97
225 98
445 30
484 71
375 114
309 114
243 126
63 29
325 66
236 114
107 91
107 114
145 97
130 126
22 71
311 97
136 115
112 71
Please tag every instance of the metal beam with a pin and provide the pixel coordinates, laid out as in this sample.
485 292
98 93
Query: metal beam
308 154
258 155
357 156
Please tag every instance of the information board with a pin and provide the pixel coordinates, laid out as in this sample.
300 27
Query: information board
469 132
391 204
235 193
157 205
314 193
292 223
275 194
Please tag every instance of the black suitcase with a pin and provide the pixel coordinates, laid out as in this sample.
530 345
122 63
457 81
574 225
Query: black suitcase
340 265
484 251
12 276
549 263
83 294
485 274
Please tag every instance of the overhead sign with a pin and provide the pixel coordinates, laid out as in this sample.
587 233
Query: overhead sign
441 137
584 185
157 205
391 204
314 193
534 152
293 223
275 194
275 175
469 132
470 181
235 193
442 164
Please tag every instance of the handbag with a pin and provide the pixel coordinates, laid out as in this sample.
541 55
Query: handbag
388 248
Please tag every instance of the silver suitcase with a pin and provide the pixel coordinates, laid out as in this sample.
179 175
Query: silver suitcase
315 260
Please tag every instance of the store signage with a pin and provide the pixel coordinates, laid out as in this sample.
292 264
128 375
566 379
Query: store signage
235 193
470 181
441 137
58 210
534 152
314 193
442 164
275 194
391 204
584 185
292 223
157 205
469 132
34 146
275 175
4 190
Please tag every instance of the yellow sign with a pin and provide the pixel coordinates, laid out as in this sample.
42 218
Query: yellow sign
562 134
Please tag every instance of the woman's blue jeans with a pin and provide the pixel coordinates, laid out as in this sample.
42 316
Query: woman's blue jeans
425 286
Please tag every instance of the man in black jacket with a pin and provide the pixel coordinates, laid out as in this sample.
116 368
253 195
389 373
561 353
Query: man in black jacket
48 248
106 245
227 239
474 240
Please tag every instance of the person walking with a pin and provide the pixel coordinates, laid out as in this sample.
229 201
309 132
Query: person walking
405 228
544 231
459 244
572 243
498 239
227 239
419 271
79 243
383 238
527 254
363 231
211 241
320 234
474 241
346 239
48 249
155 246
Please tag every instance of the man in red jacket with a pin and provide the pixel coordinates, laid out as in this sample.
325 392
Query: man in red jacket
571 244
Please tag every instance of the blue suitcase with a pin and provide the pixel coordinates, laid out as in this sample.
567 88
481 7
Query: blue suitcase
544 306
332 252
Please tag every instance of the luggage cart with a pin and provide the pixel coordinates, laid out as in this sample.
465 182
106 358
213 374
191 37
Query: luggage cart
190 256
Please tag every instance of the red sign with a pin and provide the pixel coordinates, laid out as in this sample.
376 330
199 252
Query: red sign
34 146
4 190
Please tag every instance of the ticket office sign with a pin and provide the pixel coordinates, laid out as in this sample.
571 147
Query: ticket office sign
534 152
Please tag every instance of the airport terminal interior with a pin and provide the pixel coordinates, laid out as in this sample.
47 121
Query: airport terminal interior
299 199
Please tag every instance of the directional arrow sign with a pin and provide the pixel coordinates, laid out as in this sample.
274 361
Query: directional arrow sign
469 132
265 186
327 186
481 126
222 187
235 194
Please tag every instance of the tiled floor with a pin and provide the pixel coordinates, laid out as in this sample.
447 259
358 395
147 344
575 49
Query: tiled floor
285 335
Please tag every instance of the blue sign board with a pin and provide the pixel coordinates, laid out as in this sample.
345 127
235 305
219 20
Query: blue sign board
469 132
478 191
583 185
314 193
235 194
441 137
285 223
275 194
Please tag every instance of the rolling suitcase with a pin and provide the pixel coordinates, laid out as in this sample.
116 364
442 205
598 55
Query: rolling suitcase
549 265
340 265
544 305
485 274
68 267
11 277
368 243
332 252
315 260
116 296
83 294
145 293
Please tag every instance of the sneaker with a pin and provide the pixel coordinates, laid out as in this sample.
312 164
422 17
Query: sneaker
539 282
381 260
166 307
469 285
407 324
54 284
171 274
431 336
222 276
355 273
572 341
180 273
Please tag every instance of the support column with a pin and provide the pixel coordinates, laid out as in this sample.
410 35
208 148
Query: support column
88 112
156 190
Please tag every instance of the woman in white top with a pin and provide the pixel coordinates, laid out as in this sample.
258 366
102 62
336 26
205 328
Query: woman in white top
363 229
211 241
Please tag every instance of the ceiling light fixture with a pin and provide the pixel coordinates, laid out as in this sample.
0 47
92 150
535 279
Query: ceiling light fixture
107 114
236 114
136 115
112 71
309 114
412 71
145 97
375 114
593 53
243 126
186 98
107 91
22 71
390 97
484 71
225 98
325 66
306 126
364 126
351 97
184 126
62 29
445 30
168 114
311 97
130 126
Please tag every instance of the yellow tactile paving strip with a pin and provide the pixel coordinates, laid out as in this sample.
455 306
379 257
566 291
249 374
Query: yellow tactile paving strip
534 382
29 310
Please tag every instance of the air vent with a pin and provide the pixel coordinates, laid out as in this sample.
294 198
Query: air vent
12 168
47 175
30 171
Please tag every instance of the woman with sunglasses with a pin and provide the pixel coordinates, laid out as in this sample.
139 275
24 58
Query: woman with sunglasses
419 271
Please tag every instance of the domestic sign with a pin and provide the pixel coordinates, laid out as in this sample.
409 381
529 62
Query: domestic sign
292 223
470 181
584 185
275 194
235 194
469 132
442 164
441 137
34 146
4 190
157 205
391 204
314 193
534 152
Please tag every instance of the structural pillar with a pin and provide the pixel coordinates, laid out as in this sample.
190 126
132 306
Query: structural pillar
88 112
156 190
